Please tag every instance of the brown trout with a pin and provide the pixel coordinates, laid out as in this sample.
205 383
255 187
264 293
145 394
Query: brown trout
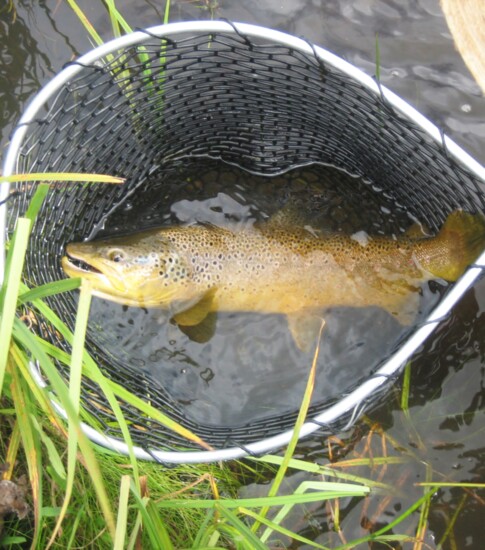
273 268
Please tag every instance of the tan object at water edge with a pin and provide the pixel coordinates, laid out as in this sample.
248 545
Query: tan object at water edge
466 21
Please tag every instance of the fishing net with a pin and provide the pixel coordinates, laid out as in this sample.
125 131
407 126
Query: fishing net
162 100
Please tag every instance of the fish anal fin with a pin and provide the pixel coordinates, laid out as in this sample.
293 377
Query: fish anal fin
203 331
305 327
405 308
196 313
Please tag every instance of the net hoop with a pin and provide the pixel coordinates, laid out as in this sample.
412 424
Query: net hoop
353 401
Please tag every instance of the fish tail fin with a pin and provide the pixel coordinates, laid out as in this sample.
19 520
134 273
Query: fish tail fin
457 245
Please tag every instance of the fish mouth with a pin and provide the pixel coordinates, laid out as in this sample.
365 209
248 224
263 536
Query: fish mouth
75 265
78 265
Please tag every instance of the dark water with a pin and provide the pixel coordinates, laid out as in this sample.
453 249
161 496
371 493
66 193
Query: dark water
443 437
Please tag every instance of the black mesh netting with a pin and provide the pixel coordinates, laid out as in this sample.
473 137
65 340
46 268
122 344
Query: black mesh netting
261 106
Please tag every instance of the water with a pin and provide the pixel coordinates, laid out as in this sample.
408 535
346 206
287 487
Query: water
447 395
251 368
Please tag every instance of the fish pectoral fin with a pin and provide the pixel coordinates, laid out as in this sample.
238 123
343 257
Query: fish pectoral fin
203 331
305 327
196 313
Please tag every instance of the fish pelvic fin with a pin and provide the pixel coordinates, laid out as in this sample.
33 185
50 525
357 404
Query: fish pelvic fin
305 327
196 313
457 245
202 332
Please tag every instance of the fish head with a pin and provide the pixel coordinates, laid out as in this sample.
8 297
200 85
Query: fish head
143 270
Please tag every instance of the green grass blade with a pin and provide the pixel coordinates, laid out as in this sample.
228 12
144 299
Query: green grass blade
314 468
152 523
275 527
248 536
378 59
160 531
166 15
36 201
85 21
408 421
381 532
133 540
202 534
117 20
62 176
424 513
77 520
339 490
115 26
122 519
31 446
74 431
8 300
78 343
24 338
55 460
305 405
49 289
406 389
456 484
261 501
451 523
74 395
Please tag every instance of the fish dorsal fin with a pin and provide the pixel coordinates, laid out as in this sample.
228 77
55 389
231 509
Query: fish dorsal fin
305 327
417 231
290 215
197 312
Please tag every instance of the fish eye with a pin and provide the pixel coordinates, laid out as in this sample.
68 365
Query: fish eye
116 255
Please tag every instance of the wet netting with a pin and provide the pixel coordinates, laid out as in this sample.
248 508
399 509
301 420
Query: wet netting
172 96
